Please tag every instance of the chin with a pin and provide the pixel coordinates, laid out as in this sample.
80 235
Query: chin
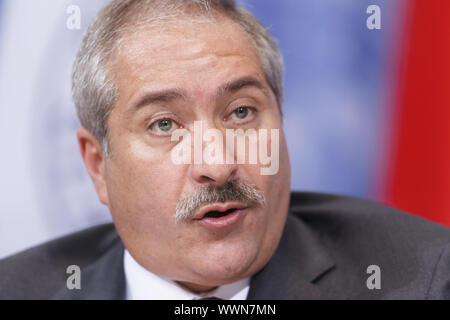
223 267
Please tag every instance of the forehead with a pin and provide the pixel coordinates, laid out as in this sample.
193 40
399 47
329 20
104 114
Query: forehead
184 38
194 52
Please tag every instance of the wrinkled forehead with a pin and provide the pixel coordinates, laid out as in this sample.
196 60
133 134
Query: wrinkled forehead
182 39
200 55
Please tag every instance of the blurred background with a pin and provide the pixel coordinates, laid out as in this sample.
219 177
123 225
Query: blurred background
367 111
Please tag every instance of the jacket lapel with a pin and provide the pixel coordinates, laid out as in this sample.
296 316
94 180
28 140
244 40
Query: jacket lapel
299 261
102 280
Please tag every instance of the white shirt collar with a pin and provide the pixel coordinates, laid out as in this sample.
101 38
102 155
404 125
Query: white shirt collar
143 285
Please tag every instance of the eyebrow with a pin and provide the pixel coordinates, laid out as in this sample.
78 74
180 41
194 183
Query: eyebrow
236 85
171 95
159 96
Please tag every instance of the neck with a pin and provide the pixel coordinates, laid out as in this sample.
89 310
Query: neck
195 288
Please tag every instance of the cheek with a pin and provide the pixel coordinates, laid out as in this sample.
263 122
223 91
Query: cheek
285 164
276 187
272 173
143 185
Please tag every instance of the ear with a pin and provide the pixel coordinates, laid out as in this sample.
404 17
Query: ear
94 161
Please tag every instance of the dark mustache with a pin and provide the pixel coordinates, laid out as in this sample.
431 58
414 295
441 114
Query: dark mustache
232 190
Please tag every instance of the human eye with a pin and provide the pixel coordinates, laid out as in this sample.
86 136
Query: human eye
163 127
242 114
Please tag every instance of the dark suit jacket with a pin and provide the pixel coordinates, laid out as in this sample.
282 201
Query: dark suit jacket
327 245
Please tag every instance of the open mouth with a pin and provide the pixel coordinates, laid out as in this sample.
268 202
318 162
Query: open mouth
222 215
219 214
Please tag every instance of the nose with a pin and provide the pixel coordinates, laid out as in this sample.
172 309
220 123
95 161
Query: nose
217 174
213 172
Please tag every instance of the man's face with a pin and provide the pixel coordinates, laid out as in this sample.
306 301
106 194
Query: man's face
187 73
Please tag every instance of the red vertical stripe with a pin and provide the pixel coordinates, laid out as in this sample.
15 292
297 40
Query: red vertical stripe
419 174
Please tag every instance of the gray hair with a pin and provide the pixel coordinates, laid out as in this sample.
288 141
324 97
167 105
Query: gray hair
93 88
232 190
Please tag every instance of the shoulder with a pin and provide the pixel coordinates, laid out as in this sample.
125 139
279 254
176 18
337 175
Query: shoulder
39 272
346 216
412 253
